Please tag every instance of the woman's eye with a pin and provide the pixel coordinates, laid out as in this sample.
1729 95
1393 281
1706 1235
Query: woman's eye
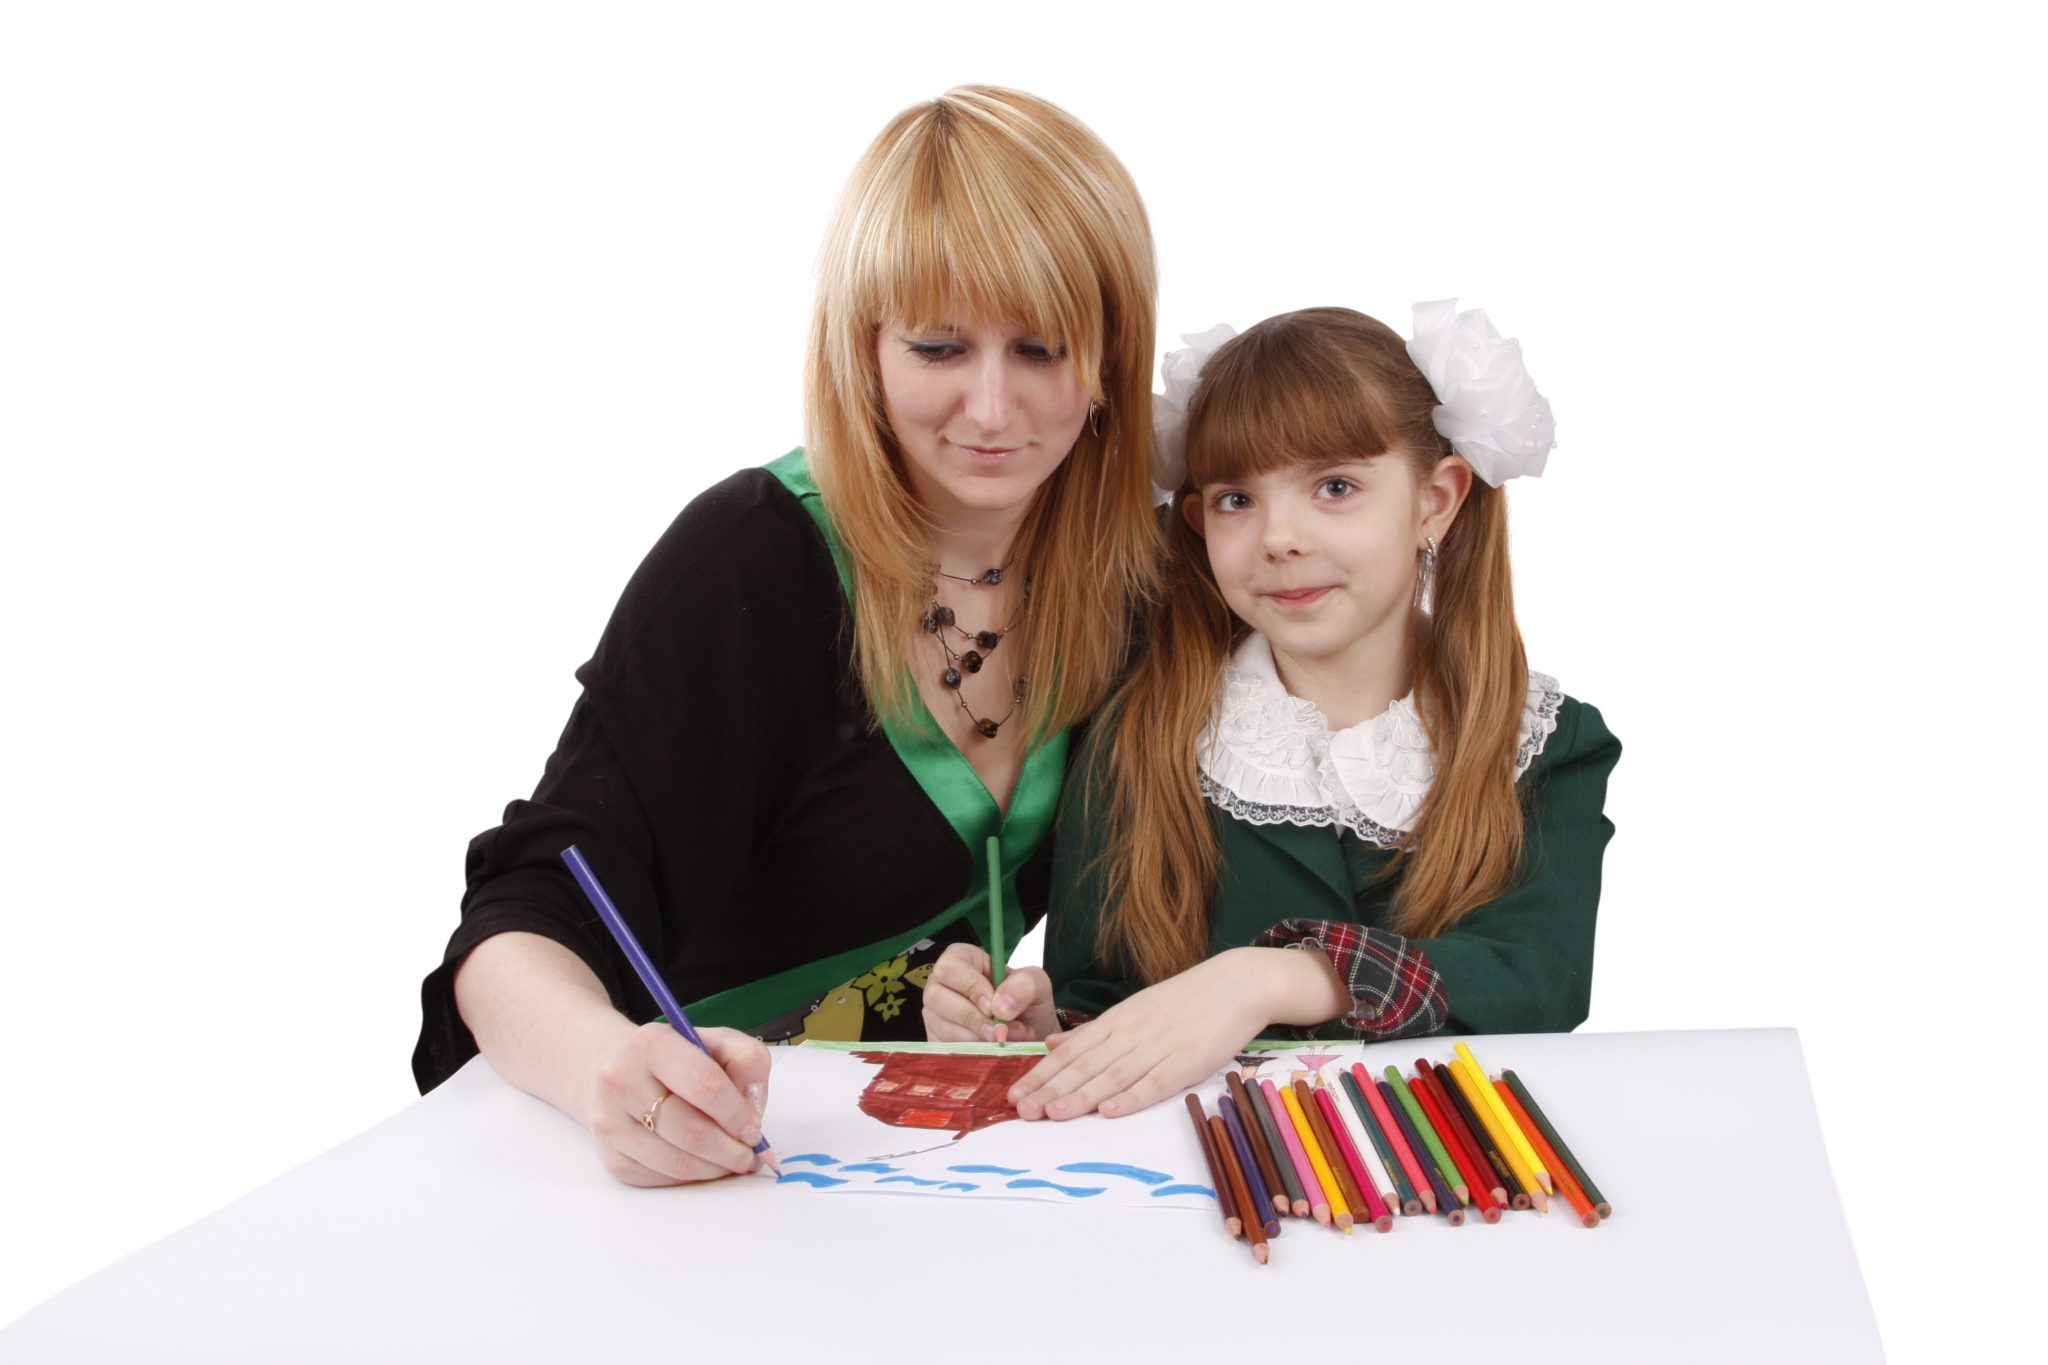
933 352
1039 353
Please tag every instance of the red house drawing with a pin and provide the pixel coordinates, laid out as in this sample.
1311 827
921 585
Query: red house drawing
955 1092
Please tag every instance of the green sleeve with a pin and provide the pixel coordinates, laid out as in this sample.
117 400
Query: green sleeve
1523 963
1081 981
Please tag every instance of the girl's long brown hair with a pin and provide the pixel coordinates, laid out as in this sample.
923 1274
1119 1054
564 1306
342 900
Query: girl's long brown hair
1006 206
1306 388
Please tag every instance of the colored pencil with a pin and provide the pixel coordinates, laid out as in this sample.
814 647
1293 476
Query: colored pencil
1323 1202
1441 1199
1452 1180
1370 1204
1476 1185
1566 1186
1254 1231
1359 1086
1288 1195
1487 1161
1410 1145
1269 1170
1411 1170
643 965
1305 1188
1240 1194
1564 1153
1514 1134
1344 1095
1347 1196
1262 1200
1232 1224
1476 1090
996 956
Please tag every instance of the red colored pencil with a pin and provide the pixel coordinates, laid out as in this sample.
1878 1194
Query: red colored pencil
1368 1194
1231 1222
1475 1186
1455 1110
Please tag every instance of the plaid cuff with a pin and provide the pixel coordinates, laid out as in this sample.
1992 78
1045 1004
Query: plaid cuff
1395 992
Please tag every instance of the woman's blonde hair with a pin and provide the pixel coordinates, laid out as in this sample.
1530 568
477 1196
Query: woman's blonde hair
1302 389
1002 205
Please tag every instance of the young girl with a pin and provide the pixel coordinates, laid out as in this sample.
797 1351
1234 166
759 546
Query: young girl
1391 827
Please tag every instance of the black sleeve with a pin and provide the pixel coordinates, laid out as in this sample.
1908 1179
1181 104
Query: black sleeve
668 771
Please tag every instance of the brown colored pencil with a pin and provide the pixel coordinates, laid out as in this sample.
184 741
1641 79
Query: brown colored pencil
1256 1136
1231 1222
1226 1157
1348 1197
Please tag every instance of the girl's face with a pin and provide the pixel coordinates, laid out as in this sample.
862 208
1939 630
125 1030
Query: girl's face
1321 559
983 413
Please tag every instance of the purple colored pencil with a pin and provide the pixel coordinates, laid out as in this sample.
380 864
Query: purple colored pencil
643 966
1262 1198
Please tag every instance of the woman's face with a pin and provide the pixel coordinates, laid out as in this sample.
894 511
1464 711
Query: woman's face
983 413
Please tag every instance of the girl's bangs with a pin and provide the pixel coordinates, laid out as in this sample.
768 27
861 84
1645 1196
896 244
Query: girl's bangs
1268 400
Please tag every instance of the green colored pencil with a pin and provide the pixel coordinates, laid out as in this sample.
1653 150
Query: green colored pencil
996 955
1445 1167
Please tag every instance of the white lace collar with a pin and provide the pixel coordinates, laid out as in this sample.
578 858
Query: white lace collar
1268 757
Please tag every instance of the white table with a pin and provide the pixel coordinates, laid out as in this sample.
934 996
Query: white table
476 1225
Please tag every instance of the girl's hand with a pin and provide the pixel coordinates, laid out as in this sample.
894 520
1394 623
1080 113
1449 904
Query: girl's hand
961 1005
1158 1042
709 1122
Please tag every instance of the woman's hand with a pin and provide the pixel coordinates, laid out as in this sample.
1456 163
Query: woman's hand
961 1005
1162 1040
706 1109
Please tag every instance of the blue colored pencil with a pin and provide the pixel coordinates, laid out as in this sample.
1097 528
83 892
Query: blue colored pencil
643 965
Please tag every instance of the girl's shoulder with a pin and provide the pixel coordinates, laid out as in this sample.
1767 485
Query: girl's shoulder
1577 733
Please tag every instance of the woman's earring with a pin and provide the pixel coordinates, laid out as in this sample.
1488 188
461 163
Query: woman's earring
1095 418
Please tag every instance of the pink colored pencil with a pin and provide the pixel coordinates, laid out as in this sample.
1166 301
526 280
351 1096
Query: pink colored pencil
1376 1207
1293 1143
1395 1138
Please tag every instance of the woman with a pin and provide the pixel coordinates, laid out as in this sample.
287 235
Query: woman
835 677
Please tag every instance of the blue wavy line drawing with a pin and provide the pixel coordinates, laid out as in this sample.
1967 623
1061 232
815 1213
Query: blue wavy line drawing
816 1158
881 1167
907 1180
959 1185
1137 1173
1165 1190
823 1182
987 1170
1073 1191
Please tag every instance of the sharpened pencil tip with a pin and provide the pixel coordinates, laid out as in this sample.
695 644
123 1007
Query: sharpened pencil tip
1261 1254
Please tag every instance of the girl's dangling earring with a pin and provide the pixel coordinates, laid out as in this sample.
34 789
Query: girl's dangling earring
1425 577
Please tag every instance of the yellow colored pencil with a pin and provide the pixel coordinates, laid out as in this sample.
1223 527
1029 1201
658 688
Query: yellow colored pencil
1507 1120
1476 1090
1316 1161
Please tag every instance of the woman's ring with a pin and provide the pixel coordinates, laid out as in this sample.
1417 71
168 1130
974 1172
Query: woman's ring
647 1119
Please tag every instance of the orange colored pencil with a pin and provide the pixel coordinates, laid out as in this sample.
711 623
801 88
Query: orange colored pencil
1561 1173
1240 1190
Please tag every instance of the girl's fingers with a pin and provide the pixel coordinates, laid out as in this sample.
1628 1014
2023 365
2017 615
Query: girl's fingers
1077 1064
1120 1074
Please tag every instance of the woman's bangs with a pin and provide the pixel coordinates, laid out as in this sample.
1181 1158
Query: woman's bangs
963 248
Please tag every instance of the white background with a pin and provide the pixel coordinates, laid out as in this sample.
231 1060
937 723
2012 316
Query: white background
351 356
